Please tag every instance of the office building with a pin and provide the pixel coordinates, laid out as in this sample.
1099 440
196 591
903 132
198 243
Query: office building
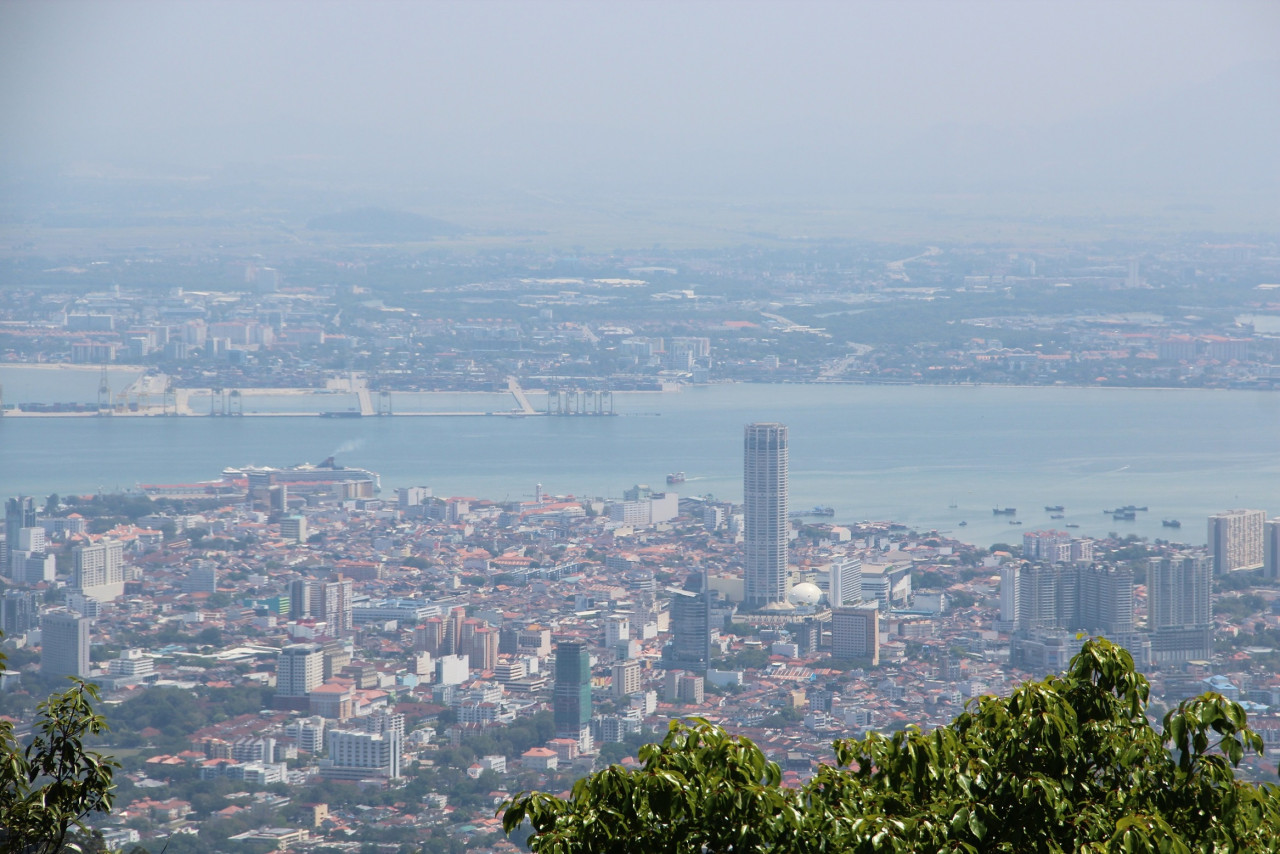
571 698
855 633
64 644
1179 608
19 513
98 570
299 670
1235 540
1271 549
691 624
844 582
767 525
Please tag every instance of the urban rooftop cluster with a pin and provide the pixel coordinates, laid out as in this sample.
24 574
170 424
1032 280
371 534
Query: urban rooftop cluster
295 659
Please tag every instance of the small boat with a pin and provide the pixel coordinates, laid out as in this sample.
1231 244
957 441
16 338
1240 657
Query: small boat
1014 522
675 477
1072 525
1057 516
1004 511
1054 508
1171 523
1124 515
962 524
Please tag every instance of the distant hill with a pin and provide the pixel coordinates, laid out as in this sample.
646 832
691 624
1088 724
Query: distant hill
382 224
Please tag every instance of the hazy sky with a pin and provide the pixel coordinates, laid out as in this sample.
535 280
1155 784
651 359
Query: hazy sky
537 92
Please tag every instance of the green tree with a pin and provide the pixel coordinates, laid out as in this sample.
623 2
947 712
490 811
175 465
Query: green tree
1067 763
51 786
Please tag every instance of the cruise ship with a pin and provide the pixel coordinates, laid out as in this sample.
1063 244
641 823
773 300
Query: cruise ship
300 477
328 480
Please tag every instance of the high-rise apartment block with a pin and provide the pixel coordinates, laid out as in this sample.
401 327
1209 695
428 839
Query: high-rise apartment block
1271 549
299 670
1042 597
98 570
1180 611
767 525
1235 540
571 697
64 644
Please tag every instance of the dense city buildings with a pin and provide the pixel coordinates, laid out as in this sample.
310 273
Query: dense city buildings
767 524
460 646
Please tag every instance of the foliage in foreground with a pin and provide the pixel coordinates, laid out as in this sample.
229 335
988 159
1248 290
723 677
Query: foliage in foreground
1067 763
51 786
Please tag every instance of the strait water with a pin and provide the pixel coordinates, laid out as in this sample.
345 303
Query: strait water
902 453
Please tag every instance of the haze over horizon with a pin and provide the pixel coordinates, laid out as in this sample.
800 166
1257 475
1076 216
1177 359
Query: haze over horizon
733 104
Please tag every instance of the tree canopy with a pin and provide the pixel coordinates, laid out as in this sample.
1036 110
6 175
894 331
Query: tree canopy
1067 763
51 786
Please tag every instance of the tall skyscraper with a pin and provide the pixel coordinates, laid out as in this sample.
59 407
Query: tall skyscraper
571 699
1180 612
1235 540
1271 548
19 513
767 526
691 624
64 644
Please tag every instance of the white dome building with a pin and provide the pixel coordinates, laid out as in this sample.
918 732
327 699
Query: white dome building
805 595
